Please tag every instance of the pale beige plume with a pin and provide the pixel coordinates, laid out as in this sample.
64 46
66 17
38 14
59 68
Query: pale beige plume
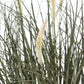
39 43
53 10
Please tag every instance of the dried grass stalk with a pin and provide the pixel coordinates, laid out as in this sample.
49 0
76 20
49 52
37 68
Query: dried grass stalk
20 8
61 2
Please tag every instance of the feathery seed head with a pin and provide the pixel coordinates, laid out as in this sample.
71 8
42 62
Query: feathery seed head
39 43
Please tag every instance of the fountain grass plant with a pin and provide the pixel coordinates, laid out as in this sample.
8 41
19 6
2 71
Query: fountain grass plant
63 51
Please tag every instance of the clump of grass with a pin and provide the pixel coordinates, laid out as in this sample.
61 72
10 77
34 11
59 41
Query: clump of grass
63 52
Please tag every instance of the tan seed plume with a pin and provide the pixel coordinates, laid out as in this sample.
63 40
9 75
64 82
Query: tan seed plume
53 10
39 43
